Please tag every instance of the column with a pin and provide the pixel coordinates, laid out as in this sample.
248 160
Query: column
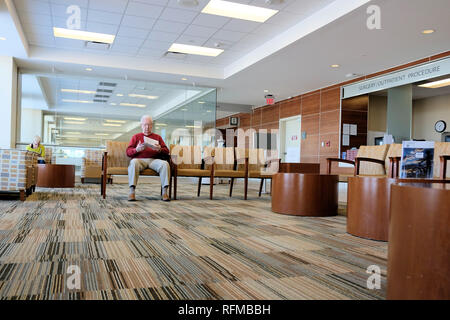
8 102
399 113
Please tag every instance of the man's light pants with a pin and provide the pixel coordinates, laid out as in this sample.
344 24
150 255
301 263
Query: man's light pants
137 165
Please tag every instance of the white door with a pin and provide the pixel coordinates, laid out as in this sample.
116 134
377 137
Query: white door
290 136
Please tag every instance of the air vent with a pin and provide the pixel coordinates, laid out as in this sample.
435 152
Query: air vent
97 45
104 90
175 55
188 3
107 84
101 96
100 100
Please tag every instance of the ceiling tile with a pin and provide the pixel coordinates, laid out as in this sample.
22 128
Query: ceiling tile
127 41
138 22
163 36
153 44
198 8
229 35
200 31
132 32
59 10
144 10
36 19
33 6
117 6
101 28
148 52
241 25
168 26
211 43
104 17
178 15
209 20
81 3
191 40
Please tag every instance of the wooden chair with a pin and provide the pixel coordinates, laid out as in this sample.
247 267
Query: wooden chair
225 166
115 162
188 162
91 165
259 167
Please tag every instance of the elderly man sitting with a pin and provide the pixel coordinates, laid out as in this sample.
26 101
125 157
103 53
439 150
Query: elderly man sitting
144 149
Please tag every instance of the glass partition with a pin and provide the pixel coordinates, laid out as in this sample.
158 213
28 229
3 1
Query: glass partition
72 113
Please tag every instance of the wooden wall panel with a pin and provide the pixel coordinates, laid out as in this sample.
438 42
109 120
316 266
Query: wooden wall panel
310 146
311 104
329 122
290 108
245 120
330 100
310 124
270 114
256 117
331 150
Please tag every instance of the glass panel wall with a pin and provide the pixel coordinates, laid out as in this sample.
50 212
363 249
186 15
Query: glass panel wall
72 114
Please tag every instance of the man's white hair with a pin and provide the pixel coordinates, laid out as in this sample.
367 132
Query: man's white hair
146 116
37 139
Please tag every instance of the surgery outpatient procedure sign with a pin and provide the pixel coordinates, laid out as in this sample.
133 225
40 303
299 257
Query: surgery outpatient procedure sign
420 73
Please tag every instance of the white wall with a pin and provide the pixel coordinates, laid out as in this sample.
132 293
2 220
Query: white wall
31 125
425 114
8 102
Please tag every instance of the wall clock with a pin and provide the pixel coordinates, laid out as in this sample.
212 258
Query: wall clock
440 126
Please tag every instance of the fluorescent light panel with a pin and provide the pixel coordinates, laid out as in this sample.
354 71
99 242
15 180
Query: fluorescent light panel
112 125
436 84
116 121
83 35
78 91
201 51
73 122
133 105
76 101
102 134
133 95
238 11
73 118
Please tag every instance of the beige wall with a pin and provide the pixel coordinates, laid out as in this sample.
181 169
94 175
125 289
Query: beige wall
377 113
425 114
8 98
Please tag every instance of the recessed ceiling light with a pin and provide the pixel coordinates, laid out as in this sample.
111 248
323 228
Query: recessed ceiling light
238 11
78 91
83 35
73 118
116 121
161 124
102 134
112 124
76 101
113 104
2 38
88 69
202 102
335 66
266 91
73 132
208 111
119 95
133 95
428 31
183 109
133 105
197 50
184 79
436 84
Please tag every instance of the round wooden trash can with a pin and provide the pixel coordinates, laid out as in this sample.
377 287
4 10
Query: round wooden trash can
419 242
56 176
305 194
368 201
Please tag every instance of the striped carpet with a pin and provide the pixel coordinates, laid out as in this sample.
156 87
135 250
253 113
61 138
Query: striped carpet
192 248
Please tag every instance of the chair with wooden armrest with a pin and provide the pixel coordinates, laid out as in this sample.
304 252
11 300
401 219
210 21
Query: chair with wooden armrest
369 164
225 166
188 162
388 164
115 162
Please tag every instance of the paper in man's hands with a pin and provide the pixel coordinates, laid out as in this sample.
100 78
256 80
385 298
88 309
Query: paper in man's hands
150 143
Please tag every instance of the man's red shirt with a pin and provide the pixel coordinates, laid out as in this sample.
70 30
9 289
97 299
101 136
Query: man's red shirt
147 152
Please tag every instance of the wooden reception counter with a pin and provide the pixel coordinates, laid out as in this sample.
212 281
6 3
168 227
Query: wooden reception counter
56 176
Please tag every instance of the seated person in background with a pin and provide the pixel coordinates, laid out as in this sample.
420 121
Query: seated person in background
38 148
144 149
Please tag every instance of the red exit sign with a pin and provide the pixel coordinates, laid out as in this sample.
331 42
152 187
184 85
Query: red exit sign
270 99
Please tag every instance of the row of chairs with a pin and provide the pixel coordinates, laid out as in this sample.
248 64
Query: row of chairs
189 161
232 163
